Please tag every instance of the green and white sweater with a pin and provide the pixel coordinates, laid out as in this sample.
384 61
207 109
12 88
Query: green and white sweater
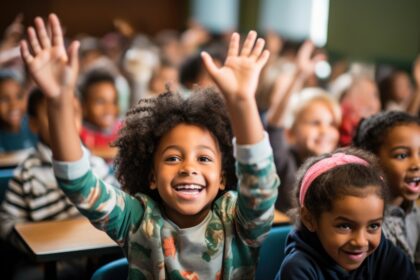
223 246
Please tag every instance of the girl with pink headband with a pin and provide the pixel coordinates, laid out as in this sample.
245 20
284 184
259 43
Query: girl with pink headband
340 200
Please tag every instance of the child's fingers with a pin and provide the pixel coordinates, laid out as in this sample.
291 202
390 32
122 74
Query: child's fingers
24 51
306 50
233 45
262 60
42 33
57 34
33 41
209 64
73 55
249 43
259 46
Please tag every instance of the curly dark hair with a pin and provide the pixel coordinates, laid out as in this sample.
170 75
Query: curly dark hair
372 132
151 119
343 180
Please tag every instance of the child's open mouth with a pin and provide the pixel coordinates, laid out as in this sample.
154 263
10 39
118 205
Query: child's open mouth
188 191
356 256
413 184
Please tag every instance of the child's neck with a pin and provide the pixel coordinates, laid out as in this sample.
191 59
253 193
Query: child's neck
9 128
186 221
402 203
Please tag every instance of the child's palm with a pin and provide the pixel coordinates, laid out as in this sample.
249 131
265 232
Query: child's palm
239 75
48 69
238 78
48 63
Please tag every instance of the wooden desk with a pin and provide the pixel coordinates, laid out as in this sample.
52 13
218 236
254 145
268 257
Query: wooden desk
51 241
280 218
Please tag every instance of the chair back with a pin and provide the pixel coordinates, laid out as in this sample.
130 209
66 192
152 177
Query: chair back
272 252
5 176
115 270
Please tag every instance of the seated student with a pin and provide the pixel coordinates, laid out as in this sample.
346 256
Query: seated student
16 139
180 218
33 194
394 137
99 100
341 202
312 131
300 123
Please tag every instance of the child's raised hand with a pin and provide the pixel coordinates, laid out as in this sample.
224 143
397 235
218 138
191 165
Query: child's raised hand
47 60
238 77
305 61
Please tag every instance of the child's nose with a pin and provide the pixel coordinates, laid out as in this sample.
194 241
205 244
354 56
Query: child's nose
359 239
415 162
187 169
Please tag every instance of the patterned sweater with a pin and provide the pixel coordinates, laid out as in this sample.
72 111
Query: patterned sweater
224 245
403 229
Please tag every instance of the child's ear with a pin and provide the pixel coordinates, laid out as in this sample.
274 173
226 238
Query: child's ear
222 182
307 219
153 185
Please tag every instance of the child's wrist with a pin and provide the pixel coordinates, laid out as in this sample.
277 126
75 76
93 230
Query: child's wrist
61 96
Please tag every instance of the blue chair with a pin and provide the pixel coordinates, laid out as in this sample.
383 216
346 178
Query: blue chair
114 270
5 176
272 253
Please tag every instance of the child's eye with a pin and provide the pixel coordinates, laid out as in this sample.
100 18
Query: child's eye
374 227
343 227
172 159
401 156
314 122
205 159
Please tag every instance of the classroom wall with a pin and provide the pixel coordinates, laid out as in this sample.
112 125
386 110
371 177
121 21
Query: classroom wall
375 30
95 16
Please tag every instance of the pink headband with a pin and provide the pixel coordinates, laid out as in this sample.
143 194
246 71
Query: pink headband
324 165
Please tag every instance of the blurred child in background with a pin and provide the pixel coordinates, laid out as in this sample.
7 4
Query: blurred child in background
101 124
300 123
16 139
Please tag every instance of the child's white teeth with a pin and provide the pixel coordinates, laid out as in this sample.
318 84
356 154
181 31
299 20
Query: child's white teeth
188 187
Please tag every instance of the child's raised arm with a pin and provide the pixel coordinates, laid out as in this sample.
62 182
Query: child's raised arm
55 72
305 62
238 80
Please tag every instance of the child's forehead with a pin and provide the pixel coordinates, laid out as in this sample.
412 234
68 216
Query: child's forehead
402 132
95 86
100 90
188 134
313 107
366 204
8 83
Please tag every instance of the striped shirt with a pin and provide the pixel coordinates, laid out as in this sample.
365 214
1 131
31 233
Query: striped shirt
33 193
